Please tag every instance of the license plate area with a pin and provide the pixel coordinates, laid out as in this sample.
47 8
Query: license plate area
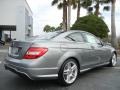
14 51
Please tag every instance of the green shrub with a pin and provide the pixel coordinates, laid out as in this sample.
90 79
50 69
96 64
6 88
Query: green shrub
92 24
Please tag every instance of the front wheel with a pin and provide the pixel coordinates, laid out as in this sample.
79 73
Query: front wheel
113 60
68 72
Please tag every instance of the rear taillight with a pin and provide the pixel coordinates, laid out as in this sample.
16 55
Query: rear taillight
35 52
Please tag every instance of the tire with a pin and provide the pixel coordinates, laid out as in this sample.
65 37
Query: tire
68 72
113 60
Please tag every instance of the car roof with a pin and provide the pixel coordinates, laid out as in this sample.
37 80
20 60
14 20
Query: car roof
75 31
62 31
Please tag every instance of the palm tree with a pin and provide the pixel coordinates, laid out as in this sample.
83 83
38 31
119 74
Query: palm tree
78 9
65 15
82 3
78 4
66 5
69 15
62 4
113 27
70 3
97 5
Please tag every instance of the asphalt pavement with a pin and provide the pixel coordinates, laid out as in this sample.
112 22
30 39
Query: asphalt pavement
102 78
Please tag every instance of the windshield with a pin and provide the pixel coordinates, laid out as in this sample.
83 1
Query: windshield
45 36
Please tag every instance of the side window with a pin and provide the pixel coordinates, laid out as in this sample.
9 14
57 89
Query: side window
98 41
75 37
91 39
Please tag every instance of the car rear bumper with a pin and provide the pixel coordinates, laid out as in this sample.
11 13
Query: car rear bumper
31 73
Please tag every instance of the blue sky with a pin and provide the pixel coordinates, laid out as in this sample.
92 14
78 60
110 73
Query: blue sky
44 13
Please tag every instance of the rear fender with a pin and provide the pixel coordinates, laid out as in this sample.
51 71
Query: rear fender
66 56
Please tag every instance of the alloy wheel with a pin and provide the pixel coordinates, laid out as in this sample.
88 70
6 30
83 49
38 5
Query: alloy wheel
114 60
70 72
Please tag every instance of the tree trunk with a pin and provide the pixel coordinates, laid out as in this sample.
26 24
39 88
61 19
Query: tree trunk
113 27
78 9
69 15
64 16
97 7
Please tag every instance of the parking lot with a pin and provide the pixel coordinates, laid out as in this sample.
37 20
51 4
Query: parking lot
102 78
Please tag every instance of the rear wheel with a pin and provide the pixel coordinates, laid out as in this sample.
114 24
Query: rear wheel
113 60
68 72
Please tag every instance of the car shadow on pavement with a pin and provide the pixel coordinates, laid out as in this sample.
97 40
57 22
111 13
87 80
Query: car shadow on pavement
51 84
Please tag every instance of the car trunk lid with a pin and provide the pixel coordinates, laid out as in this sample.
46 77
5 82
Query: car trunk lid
17 49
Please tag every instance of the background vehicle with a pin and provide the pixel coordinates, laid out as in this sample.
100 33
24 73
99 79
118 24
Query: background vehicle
2 42
59 55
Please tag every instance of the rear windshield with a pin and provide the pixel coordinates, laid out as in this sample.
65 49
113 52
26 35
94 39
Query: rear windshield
45 36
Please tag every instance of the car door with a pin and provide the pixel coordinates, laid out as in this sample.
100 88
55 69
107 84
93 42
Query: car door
82 49
98 51
104 51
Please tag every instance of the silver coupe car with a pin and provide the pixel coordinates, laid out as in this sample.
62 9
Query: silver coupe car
61 55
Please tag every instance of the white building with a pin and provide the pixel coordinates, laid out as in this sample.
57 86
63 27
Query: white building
16 16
